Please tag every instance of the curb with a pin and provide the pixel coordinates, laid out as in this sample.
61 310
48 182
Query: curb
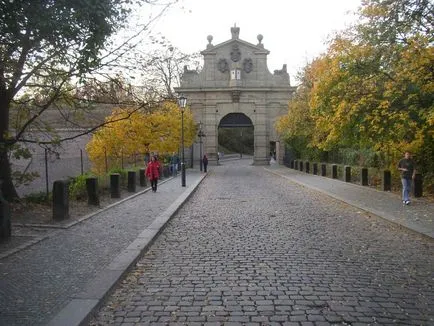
384 215
81 307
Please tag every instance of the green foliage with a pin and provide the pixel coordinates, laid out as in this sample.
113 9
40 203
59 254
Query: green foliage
77 187
39 198
237 140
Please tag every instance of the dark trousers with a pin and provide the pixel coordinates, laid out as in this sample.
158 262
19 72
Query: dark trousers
204 167
154 184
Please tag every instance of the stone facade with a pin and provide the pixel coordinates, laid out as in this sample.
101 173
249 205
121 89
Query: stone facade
235 79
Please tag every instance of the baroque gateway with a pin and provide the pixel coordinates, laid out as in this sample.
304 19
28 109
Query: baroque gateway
236 89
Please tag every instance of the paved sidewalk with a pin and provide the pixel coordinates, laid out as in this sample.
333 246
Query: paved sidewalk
61 279
418 216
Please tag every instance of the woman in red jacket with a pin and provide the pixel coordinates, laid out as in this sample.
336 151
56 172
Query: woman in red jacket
153 172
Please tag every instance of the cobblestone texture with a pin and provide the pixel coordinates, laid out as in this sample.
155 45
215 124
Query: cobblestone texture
250 248
39 281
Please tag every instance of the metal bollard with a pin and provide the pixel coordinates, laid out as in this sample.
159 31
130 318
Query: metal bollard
60 200
115 185
418 185
364 176
323 170
92 191
347 173
315 168
334 171
142 177
131 181
387 180
307 166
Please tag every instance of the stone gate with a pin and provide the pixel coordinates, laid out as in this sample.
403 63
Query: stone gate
235 79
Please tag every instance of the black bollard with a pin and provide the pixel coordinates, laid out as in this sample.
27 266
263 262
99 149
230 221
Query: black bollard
291 165
5 218
323 170
131 181
166 172
364 176
347 173
60 200
92 191
115 185
301 166
387 181
334 171
296 164
307 167
418 185
142 177
315 168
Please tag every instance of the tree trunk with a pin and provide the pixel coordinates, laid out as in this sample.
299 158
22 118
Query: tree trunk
8 188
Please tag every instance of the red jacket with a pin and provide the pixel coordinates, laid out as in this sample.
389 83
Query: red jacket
153 170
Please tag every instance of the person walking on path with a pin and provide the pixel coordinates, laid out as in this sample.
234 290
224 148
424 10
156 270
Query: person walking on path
205 163
408 171
153 172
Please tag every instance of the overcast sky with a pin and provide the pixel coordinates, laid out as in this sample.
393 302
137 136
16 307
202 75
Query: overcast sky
293 31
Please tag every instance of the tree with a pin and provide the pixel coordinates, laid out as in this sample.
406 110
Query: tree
373 88
132 131
46 48
162 68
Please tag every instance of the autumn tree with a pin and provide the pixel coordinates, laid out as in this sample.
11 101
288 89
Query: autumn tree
373 88
46 48
132 131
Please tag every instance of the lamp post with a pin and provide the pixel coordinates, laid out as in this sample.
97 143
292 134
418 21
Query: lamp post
200 135
182 102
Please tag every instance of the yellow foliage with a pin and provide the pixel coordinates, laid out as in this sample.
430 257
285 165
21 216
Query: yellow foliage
128 132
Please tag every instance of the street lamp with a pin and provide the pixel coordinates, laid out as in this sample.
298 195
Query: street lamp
200 135
182 102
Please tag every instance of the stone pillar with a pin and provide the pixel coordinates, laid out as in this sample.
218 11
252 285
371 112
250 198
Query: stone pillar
60 200
418 185
315 168
323 169
92 191
334 171
364 176
307 167
131 181
5 218
387 181
261 142
142 177
115 185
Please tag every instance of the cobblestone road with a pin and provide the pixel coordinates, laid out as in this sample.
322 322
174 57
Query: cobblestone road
252 248
39 281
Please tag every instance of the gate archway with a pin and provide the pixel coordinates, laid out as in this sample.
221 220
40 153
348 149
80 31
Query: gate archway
235 89
236 134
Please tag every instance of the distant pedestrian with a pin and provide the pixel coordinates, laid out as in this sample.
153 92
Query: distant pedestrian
408 171
205 163
153 172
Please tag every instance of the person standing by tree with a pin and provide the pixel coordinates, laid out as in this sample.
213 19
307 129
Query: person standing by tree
205 163
153 172
408 171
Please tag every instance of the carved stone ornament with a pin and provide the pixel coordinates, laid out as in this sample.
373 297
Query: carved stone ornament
222 65
248 65
235 53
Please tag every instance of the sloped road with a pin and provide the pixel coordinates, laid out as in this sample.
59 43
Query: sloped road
250 248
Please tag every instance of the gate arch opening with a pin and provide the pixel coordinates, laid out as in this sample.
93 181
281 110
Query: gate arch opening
236 135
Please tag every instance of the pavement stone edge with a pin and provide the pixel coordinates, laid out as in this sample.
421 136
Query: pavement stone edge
381 214
81 308
35 240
